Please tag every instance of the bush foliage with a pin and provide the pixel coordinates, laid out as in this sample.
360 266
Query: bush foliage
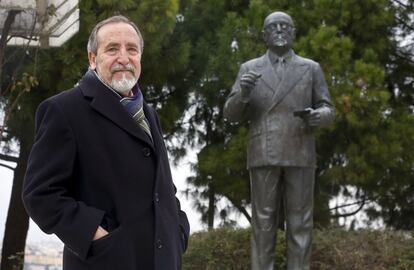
229 249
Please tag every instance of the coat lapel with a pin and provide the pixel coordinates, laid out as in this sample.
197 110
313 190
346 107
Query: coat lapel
106 103
293 74
155 132
157 138
269 77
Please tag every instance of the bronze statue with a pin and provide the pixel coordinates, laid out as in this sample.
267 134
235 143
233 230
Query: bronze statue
285 99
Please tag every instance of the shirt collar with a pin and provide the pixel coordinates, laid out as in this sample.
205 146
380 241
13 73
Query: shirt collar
274 58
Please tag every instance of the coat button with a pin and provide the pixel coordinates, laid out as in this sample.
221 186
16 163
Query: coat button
159 244
156 197
146 151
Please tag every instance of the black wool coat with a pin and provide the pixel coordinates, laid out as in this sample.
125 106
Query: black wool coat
92 165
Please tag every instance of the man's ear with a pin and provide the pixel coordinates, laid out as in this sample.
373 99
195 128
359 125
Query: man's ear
294 33
264 36
92 60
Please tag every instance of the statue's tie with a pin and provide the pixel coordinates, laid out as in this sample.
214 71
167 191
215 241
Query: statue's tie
280 69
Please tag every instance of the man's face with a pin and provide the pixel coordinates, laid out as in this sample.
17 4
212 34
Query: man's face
118 57
278 31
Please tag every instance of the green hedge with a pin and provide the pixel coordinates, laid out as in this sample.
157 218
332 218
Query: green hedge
229 249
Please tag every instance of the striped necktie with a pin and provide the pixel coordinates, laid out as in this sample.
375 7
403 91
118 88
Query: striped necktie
134 105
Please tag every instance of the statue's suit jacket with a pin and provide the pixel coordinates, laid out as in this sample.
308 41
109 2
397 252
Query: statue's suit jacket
91 163
276 137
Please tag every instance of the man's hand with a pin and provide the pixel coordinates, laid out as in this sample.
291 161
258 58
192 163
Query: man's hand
100 232
247 82
313 119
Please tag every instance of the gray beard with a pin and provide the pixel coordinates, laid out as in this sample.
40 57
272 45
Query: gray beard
124 85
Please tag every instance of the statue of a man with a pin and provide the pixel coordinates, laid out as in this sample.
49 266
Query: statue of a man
285 99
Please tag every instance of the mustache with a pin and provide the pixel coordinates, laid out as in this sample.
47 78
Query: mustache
279 35
119 67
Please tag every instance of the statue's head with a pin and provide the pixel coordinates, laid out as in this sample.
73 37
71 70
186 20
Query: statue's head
278 31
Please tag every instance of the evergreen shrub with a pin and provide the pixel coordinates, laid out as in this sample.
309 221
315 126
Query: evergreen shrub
229 249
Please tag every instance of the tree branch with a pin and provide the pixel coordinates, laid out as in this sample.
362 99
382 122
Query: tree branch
7 166
3 127
405 24
400 3
245 213
161 97
241 209
4 34
406 56
178 125
350 213
8 158
346 205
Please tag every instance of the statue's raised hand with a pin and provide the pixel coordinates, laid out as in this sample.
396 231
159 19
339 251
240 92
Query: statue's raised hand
247 82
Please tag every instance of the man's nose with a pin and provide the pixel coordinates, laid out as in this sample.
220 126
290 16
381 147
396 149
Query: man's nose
278 27
123 57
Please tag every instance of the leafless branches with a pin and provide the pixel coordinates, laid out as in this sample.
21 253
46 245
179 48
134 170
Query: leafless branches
11 15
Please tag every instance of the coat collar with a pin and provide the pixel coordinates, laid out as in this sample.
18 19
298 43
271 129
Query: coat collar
107 103
274 58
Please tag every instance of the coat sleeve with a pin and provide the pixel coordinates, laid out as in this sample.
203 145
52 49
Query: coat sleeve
184 224
236 106
47 193
321 98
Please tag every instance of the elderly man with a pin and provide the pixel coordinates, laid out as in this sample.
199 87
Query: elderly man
285 98
98 174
